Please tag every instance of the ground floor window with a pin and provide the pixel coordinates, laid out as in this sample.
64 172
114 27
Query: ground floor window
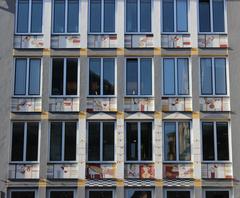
217 194
100 193
63 193
173 193
139 193
23 194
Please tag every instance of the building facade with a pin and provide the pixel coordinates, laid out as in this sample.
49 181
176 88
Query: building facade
119 98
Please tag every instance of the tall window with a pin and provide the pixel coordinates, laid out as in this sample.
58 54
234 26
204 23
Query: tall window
217 194
139 193
63 137
64 76
25 137
178 194
138 16
212 16
215 141
139 76
101 76
139 141
99 193
101 141
177 141
102 16
213 76
63 193
29 16
27 76
66 16
175 76
23 193
175 15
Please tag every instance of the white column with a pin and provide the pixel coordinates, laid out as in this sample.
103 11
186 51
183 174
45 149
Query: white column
83 23
47 20
120 22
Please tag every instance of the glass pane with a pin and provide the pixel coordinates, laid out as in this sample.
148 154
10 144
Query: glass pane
94 76
178 194
20 76
32 141
183 74
182 15
139 194
61 194
204 16
57 76
169 141
36 18
59 16
108 76
218 16
184 141
132 15
109 15
56 141
108 141
220 76
132 77
217 194
168 15
168 76
17 141
208 141
73 16
222 141
100 194
23 194
132 141
70 141
22 16
146 141
146 76
34 76
93 141
206 76
72 76
95 16
145 15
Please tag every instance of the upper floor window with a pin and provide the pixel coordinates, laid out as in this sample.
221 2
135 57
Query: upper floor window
65 16
176 76
215 141
27 76
23 193
217 193
65 76
139 76
25 138
101 141
99 193
138 16
63 193
178 193
139 193
101 76
175 15
139 141
213 76
29 16
102 16
212 16
63 136
177 141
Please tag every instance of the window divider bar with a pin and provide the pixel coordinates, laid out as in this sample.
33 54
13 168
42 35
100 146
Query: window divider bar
139 142
215 141
64 76
63 143
101 141
101 77
139 80
25 142
66 16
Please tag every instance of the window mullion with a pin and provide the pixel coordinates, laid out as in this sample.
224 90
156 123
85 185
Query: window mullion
177 142
176 76
29 15
139 142
175 15
25 142
213 77
102 15
138 83
101 77
139 22
64 76
63 138
66 16
215 142
211 16
27 76
101 141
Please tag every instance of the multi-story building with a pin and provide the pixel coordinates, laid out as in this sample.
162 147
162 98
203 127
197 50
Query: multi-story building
114 98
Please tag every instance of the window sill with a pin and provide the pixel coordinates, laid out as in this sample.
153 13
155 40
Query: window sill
100 162
139 96
65 34
175 33
64 96
216 162
176 96
138 33
101 96
63 162
139 162
23 163
102 33
26 96
28 34
177 162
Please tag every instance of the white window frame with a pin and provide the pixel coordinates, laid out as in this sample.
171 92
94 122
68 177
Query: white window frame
100 190
211 19
139 161
27 78
24 161
23 190
139 189
176 77
102 19
215 141
101 95
213 77
175 19
177 142
101 161
29 20
178 190
217 189
62 161
139 81
65 78
66 17
61 190
138 17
